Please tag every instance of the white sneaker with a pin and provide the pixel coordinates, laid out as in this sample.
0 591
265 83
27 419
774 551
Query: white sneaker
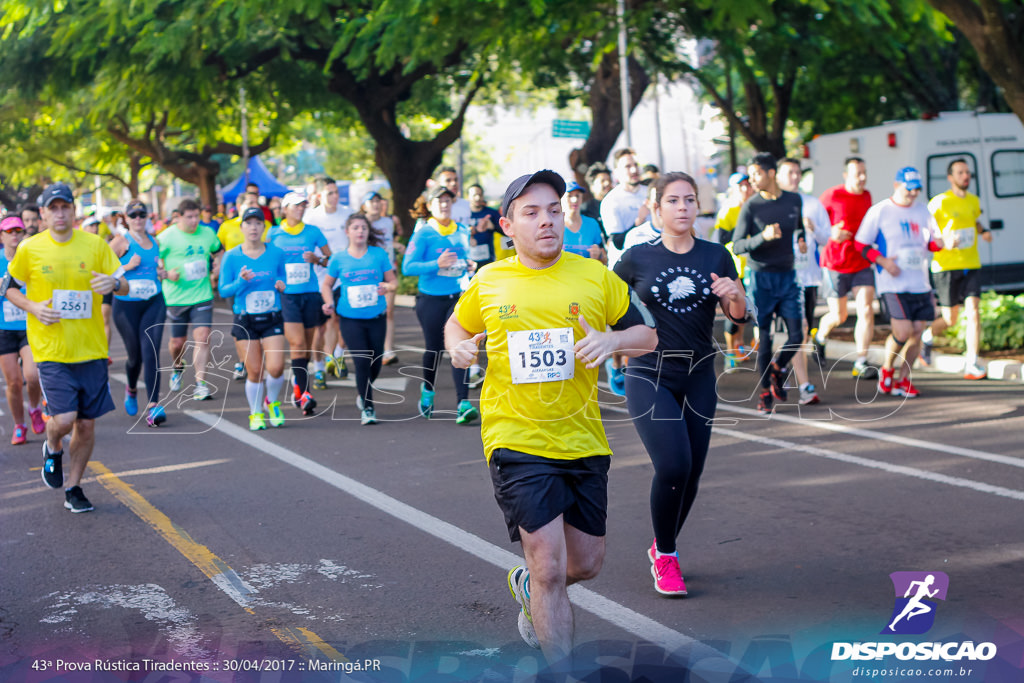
239 371
202 391
476 377
368 417
175 382
975 371
808 396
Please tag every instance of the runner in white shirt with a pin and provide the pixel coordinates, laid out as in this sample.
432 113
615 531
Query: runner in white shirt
625 206
897 235
622 209
330 216
807 265
462 212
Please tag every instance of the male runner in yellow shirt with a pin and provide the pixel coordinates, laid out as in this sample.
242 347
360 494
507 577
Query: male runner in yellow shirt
66 272
956 270
545 314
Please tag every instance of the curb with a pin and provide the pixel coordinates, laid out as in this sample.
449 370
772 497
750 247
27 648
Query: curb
943 363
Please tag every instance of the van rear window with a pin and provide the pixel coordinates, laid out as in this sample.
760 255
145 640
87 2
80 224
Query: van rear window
938 167
1008 172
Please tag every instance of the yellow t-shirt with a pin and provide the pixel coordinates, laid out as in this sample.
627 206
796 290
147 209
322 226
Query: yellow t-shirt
554 419
500 252
62 272
956 216
726 220
230 233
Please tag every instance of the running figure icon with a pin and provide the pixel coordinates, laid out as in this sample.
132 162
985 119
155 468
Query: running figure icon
916 606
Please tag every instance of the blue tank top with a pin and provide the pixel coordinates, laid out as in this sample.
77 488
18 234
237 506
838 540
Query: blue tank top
143 282
11 317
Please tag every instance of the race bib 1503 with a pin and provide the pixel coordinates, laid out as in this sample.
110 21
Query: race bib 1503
541 355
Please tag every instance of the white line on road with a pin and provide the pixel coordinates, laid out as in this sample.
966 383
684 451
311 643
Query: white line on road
863 462
856 431
639 625
880 436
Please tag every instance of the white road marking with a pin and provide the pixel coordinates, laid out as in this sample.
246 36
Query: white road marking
857 431
152 601
638 624
981 487
881 436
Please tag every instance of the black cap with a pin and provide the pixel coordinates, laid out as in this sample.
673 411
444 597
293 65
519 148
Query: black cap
253 212
56 191
134 204
437 191
519 185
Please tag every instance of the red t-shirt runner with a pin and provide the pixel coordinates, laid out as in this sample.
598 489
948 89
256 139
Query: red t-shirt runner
843 205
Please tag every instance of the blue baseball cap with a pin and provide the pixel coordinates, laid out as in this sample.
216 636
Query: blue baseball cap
368 196
736 178
54 192
909 176
574 187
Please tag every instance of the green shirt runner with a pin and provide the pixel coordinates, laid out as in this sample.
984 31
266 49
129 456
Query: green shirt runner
191 255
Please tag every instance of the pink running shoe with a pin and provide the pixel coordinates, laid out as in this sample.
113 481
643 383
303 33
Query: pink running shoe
38 423
668 579
19 436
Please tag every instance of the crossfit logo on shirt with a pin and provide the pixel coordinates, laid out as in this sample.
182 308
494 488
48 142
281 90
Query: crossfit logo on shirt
681 289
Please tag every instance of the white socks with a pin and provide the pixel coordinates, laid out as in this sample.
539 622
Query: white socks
254 393
274 386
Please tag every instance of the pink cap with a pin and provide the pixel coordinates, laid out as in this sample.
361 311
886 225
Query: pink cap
10 223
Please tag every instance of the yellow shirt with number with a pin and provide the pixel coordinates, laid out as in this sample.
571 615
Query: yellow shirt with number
956 216
45 265
230 233
554 419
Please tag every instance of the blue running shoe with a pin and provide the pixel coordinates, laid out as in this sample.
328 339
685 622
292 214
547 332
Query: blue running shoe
131 402
616 378
426 405
156 416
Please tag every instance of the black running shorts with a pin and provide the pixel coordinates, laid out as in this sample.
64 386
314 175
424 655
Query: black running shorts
532 491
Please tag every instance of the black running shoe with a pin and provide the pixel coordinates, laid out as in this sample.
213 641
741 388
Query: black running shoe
765 403
777 381
53 468
76 501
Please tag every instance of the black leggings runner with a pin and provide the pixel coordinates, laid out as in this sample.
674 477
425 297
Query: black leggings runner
672 412
141 326
365 341
433 312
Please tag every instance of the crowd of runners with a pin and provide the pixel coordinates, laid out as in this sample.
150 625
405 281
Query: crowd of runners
563 281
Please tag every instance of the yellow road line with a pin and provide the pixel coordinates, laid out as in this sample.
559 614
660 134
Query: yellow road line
202 557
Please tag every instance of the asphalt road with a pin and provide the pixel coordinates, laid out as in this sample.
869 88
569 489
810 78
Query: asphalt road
329 544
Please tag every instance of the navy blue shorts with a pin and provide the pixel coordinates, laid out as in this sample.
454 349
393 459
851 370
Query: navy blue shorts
80 388
197 315
532 491
305 308
777 294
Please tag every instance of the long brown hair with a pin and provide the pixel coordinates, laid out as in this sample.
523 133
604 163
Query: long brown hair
375 238
666 179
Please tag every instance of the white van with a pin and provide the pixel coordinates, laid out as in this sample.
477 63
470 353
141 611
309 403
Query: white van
991 144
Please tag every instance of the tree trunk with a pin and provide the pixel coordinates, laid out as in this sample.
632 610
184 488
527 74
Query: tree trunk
996 30
605 104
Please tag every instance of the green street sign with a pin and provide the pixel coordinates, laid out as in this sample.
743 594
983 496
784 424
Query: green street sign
567 128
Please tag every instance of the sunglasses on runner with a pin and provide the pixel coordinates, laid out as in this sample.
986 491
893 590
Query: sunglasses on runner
15 231
136 214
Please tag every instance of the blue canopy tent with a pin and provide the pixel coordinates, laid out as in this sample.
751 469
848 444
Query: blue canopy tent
258 173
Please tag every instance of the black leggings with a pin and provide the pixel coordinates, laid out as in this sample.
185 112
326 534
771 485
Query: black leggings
672 413
433 312
810 303
141 326
365 341
795 337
